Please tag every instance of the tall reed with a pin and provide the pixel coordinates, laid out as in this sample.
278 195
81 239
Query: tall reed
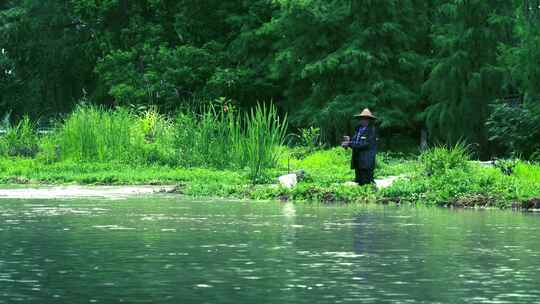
94 134
264 133
20 139
206 139
230 139
216 137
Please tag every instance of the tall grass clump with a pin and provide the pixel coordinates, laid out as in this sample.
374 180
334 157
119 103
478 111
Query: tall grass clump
20 139
209 139
91 133
226 138
264 133
440 160
218 137
154 137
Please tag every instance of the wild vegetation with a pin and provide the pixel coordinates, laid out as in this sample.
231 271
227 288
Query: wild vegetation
221 97
220 138
224 153
453 64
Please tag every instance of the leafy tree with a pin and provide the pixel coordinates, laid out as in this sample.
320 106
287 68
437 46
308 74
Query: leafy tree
516 126
516 129
521 56
465 78
332 58
50 54
438 63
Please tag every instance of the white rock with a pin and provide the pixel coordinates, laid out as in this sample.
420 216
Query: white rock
380 183
288 181
387 181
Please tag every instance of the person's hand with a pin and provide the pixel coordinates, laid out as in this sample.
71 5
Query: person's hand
346 142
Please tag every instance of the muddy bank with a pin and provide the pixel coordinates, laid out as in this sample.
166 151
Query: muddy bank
320 195
76 191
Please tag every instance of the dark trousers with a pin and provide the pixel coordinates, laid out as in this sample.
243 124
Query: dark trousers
364 176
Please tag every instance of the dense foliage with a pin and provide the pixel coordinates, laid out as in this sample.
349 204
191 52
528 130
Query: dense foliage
216 138
458 182
516 129
436 64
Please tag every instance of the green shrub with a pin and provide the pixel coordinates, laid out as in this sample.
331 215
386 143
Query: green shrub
155 127
21 139
484 185
506 165
439 160
155 138
216 138
535 156
516 128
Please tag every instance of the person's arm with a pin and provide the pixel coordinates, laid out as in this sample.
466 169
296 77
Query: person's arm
361 142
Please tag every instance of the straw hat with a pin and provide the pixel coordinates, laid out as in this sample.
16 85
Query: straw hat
366 113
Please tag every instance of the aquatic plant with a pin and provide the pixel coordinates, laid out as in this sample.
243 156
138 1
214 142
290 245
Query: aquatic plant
215 137
222 151
505 165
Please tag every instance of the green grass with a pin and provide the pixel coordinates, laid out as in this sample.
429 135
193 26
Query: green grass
327 167
445 176
323 167
213 138
327 172
441 159
193 181
95 134
264 133
229 154
525 180
231 140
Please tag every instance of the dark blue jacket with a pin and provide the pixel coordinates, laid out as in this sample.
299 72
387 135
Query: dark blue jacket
364 146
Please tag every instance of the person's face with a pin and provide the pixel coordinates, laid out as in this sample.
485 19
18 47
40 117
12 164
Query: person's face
364 122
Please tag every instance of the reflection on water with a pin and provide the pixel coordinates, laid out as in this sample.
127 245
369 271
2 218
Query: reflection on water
173 251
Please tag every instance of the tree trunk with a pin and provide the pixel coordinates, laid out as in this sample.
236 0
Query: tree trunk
423 139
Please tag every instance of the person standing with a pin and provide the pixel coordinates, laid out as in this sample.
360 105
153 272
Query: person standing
364 148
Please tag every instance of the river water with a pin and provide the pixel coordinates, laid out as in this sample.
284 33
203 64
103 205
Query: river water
172 250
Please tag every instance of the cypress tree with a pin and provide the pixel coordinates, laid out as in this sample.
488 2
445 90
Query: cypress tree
465 77
336 57
521 57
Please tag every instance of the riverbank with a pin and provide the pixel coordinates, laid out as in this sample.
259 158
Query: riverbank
327 180
80 192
